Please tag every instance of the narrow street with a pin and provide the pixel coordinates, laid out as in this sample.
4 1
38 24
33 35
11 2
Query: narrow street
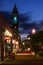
24 59
21 32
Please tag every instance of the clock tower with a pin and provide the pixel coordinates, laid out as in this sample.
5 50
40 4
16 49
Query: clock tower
15 26
15 19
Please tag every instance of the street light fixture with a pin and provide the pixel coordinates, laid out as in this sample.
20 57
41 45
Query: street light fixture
33 31
16 42
23 43
29 49
28 38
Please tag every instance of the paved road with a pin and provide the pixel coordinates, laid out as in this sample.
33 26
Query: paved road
24 59
24 63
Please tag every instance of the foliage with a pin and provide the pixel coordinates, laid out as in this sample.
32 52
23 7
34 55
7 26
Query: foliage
37 43
38 37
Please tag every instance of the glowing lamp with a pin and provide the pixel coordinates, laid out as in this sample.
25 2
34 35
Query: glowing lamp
33 31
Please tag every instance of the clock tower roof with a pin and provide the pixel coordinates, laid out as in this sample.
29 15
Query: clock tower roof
15 11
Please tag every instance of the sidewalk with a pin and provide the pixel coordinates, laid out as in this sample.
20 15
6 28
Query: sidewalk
3 61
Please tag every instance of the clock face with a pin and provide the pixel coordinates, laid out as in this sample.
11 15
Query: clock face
15 19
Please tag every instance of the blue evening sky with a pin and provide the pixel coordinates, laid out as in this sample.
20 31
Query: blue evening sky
34 7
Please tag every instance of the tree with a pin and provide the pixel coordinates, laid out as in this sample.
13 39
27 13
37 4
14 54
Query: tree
37 42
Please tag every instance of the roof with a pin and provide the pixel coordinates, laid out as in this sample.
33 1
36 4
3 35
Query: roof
15 10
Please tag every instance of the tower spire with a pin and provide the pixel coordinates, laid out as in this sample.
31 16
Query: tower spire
15 11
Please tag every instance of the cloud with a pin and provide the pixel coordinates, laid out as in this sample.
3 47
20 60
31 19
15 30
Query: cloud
27 27
24 27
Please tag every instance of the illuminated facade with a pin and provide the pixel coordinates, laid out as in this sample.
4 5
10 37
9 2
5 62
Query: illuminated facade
7 34
5 30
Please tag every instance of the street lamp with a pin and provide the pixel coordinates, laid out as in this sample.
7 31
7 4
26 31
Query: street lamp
16 42
29 49
28 38
33 31
23 43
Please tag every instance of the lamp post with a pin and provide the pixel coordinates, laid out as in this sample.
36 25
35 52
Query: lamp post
23 43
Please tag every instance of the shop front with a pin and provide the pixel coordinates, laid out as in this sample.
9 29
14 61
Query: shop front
5 38
8 43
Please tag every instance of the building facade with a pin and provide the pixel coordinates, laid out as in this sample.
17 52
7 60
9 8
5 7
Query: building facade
5 38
